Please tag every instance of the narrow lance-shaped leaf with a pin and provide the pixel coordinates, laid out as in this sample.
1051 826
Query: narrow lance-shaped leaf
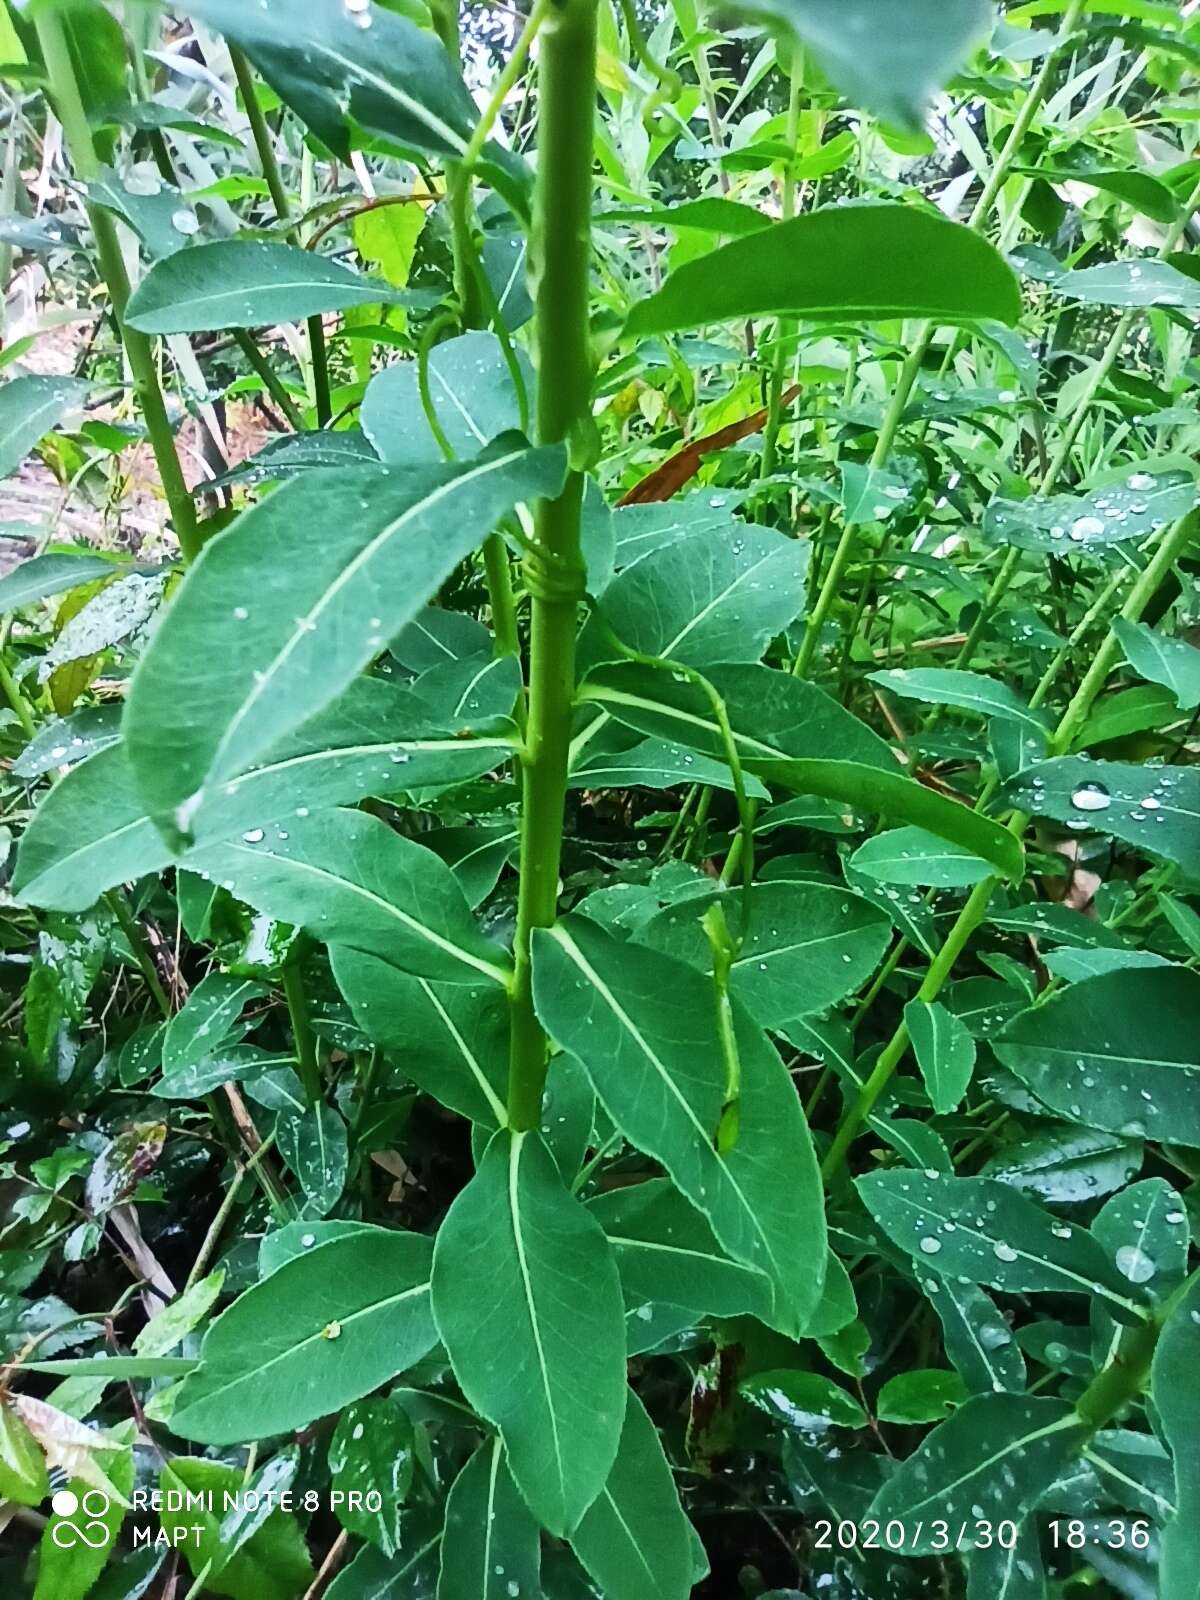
287 606
313 1144
1119 1052
326 1328
1171 662
889 55
990 1462
234 283
710 598
666 1253
418 99
47 575
347 878
473 397
912 856
807 946
944 1049
553 1307
971 691
635 1540
29 409
451 1039
1156 809
1177 1402
492 1546
849 262
782 730
986 1232
644 1028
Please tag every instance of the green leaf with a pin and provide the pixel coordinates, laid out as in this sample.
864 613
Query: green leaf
886 56
29 409
635 1541
372 1458
654 764
90 833
338 78
858 262
68 741
780 725
912 856
945 1052
341 586
1010 1571
988 1233
273 1564
235 283
1145 1230
1177 1402
999 1452
553 1305
237 1063
349 879
1146 194
409 1576
643 1026
23 1476
314 1148
163 220
294 454
1156 809
1141 283
978 1339
75 1546
668 1255
1067 524
1066 1165
452 1040
208 1018
927 1395
639 529
1119 1052
808 945
704 599
473 397
970 691
491 1543
710 215
1172 662
325 1329
804 1400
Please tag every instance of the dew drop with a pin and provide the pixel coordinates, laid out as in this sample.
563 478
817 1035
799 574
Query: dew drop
1091 797
1134 1264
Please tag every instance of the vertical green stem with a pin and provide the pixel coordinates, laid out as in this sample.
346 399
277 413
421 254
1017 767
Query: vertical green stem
302 1029
969 918
64 90
562 242
273 178
782 327
16 700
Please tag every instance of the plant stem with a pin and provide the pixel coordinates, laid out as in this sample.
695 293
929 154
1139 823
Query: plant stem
64 90
562 241
302 1030
18 702
973 913
788 209
136 939
261 134
271 380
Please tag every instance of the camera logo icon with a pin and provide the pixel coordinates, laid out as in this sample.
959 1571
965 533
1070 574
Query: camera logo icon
80 1519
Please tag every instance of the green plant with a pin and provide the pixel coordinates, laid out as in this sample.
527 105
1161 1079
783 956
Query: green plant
537 1186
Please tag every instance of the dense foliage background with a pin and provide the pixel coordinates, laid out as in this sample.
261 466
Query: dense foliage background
599 822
